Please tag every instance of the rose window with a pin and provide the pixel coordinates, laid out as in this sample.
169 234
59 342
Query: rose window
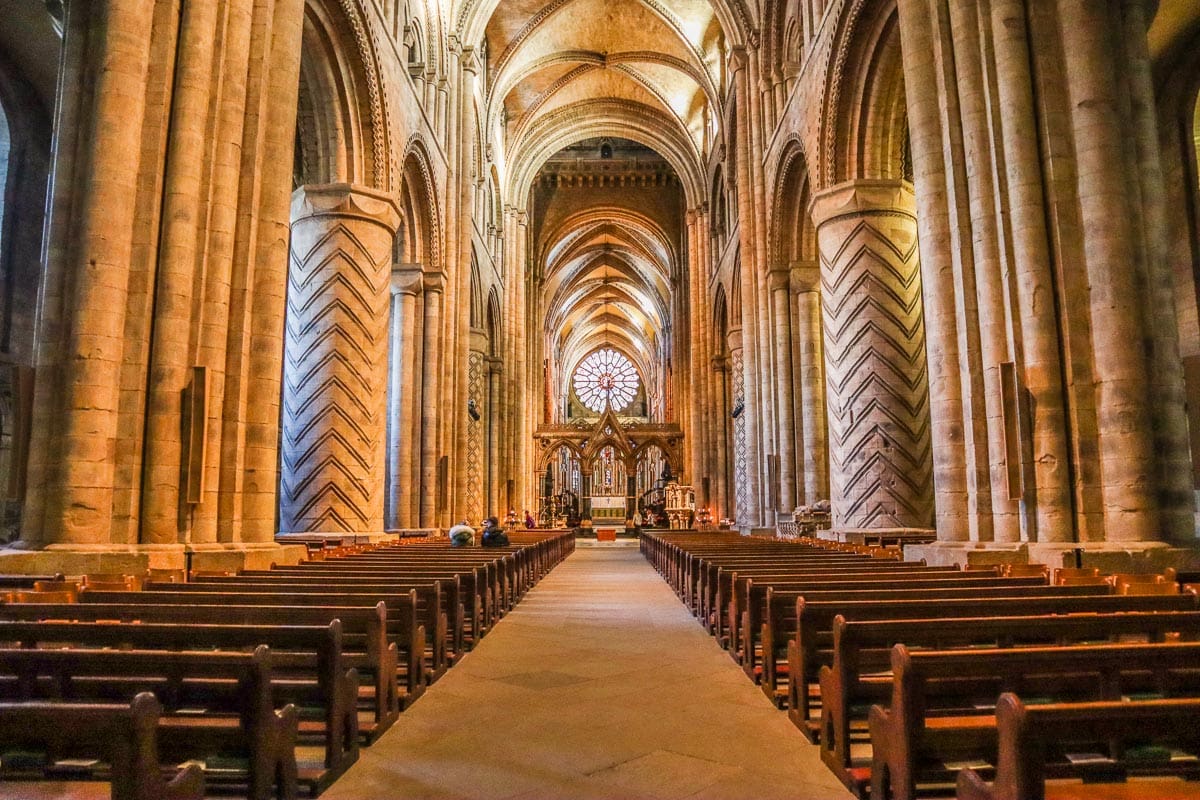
606 377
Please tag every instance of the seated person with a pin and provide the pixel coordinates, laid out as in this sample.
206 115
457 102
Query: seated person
462 535
493 534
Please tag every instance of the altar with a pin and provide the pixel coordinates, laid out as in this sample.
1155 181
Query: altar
609 512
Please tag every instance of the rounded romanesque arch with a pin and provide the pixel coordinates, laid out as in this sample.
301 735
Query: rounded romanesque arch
419 209
864 127
342 120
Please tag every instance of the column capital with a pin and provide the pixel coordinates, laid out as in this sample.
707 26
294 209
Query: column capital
779 279
734 338
469 60
435 281
345 200
718 364
855 198
495 365
478 341
407 279
805 277
739 58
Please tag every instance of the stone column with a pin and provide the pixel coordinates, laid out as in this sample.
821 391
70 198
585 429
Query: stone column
402 400
744 492
335 360
474 487
810 381
1111 230
780 282
492 414
526 410
1168 395
431 357
756 416
941 244
721 444
93 204
876 376
1035 284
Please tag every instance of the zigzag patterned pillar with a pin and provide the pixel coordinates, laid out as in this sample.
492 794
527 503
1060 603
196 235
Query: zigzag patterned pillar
335 360
878 389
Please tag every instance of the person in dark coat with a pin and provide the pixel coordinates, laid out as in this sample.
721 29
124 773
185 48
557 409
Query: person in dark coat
493 534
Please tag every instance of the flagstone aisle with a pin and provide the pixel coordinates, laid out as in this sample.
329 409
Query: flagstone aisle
598 685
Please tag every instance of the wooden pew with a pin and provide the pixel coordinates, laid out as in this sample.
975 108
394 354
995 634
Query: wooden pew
942 706
500 577
514 568
476 595
1031 736
718 589
365 643
809 643
438 605
859 674
306 665
231 692
711 575
400 608
748 608
125 737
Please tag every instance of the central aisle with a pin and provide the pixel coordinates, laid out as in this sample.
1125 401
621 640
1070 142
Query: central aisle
598 685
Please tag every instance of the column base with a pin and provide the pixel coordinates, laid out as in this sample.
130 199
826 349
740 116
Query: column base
763 532
1148 557
875 536
345 538
72 559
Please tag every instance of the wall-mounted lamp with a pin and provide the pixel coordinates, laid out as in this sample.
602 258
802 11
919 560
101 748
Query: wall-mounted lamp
473 409
738 409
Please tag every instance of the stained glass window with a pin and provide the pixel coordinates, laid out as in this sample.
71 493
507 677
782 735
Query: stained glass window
606 376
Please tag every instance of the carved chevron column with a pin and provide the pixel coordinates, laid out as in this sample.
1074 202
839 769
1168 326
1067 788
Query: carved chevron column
335 360
878 390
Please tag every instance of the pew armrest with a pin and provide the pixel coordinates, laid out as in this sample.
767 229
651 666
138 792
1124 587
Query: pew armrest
187 785
973 787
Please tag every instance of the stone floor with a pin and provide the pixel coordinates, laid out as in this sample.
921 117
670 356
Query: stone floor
598 685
